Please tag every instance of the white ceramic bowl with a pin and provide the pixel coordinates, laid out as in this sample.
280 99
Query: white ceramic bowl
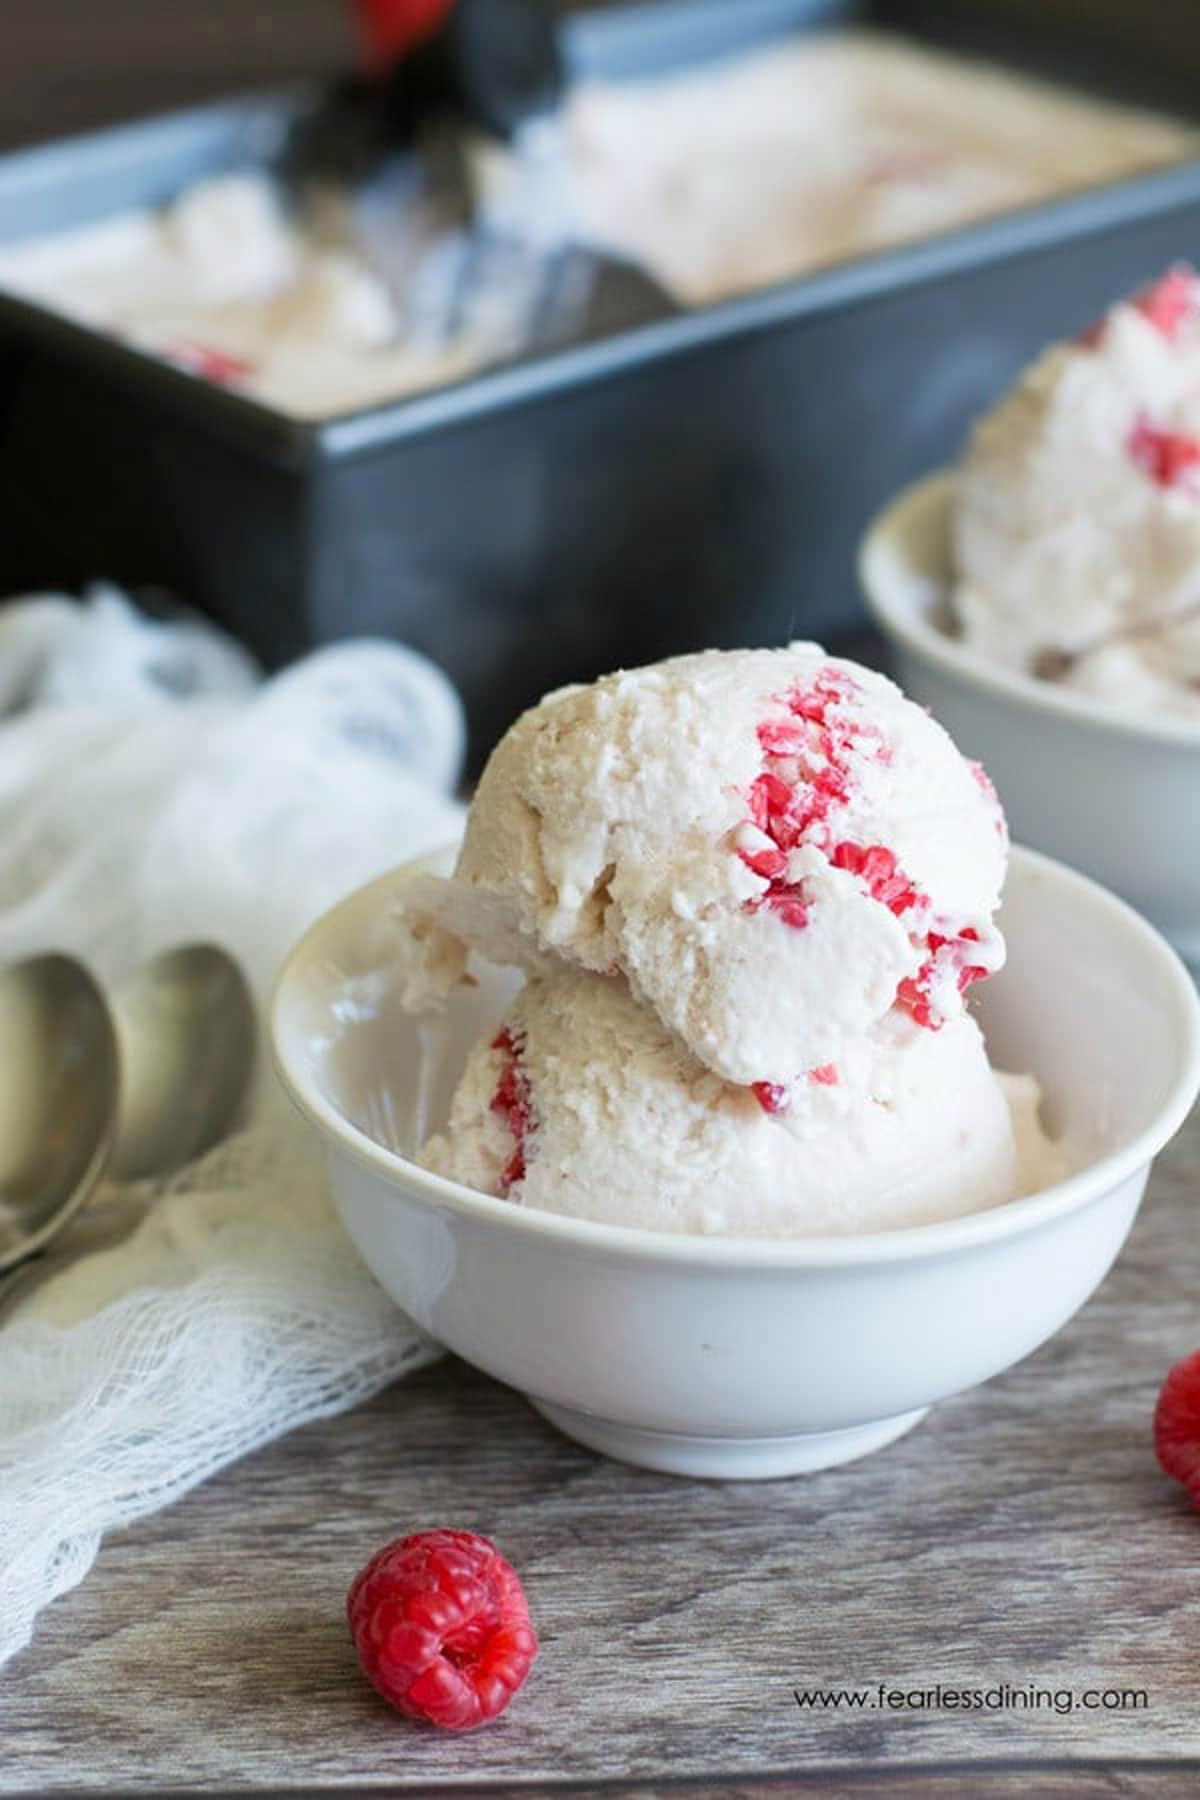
740 1356
1111 793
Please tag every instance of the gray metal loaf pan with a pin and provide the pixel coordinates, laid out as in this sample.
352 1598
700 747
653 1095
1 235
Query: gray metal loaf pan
701 480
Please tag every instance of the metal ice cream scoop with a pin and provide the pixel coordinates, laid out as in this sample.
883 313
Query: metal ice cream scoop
491 63
126 1089
439 73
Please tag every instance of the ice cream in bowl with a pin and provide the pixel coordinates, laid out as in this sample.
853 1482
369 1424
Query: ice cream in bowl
671 1096
1043 597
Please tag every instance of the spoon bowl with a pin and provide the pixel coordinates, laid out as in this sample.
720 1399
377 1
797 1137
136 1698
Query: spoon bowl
58 1098
123 1089
186 1035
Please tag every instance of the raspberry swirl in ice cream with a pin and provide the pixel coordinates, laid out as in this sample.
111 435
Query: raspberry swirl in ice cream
511 1104
1077 510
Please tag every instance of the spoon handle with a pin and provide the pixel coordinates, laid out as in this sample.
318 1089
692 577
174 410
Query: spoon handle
104 1219
14 1280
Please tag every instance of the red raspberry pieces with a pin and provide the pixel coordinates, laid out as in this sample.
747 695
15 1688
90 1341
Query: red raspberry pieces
807 773
1177 1424
442 1628
879 870
1171 300
770 863
986 786
772 1096
1167 303
512 1102
786 904
220 366
913 995
804 777
1170 458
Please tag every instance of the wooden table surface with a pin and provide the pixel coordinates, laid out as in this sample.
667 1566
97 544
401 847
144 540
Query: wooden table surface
1021 1535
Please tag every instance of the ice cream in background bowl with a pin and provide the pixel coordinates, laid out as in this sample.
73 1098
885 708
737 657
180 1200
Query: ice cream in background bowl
1076 515
663 1100
1043 598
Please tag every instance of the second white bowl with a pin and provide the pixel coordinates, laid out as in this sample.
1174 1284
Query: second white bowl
1114 794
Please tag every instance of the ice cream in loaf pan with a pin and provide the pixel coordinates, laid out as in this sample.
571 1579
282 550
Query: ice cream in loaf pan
715 180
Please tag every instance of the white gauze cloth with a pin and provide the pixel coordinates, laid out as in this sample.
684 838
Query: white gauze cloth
153 790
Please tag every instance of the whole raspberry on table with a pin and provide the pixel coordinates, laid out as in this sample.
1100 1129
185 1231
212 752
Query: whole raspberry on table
442 1627
1177 1424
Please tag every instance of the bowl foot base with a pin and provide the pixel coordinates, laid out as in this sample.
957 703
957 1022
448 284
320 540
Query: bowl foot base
727 1458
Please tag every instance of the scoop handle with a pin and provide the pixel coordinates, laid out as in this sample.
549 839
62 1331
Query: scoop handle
496 60
390 29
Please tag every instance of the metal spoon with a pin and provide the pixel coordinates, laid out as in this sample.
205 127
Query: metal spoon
58 1098
130 1091
185 1034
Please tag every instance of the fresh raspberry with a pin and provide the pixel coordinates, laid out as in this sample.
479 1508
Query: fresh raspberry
824 1076
512 1103
442 1628
771 1095
1177 1424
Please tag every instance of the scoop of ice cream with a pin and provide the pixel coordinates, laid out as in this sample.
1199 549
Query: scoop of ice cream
584 1103
1077 509
335 298
231 238
774 847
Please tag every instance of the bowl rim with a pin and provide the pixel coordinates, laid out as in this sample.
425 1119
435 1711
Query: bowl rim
765 1254
899 619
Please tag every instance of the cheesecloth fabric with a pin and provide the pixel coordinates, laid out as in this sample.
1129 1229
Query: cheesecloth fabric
153 790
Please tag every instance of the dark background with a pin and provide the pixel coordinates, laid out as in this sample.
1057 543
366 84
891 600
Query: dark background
66 65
